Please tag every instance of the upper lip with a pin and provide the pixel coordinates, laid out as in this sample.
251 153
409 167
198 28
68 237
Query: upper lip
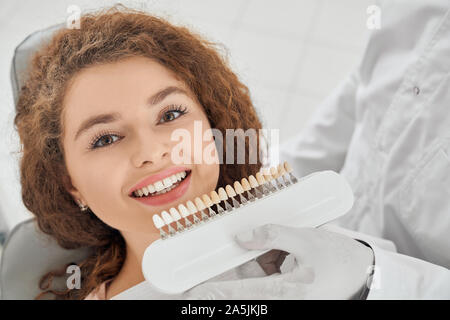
157 177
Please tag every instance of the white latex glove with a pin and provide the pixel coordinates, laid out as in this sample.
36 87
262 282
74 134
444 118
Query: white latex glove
328 266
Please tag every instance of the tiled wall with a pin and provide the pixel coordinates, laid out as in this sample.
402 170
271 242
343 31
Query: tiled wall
290 53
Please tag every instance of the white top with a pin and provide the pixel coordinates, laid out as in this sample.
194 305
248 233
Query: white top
144 291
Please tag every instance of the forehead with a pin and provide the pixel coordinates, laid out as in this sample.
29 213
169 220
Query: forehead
112 87
117 82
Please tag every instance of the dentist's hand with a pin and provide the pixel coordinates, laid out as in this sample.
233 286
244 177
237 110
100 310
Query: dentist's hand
329 266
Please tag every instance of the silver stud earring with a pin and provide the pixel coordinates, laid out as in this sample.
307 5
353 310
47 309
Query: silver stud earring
83 207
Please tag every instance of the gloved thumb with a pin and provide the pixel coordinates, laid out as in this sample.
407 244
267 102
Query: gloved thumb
257 238
269 236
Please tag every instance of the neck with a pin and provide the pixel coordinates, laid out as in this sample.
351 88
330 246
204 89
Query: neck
131 272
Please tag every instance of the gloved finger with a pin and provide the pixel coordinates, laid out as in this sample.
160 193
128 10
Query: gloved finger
272 236
292 285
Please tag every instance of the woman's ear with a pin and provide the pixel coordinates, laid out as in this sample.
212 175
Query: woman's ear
68 186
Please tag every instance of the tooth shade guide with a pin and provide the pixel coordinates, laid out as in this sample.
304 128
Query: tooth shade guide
207 250
225 200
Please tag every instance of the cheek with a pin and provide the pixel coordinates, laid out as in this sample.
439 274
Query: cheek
207 177
101 187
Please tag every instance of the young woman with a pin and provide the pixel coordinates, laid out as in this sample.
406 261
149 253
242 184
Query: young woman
95 120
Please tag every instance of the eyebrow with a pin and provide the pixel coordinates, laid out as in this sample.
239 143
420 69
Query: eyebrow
111 117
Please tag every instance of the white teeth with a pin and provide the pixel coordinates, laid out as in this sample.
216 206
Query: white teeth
151 188
161 187
167 182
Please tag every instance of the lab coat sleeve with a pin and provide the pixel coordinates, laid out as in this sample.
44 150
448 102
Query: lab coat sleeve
323 143
379 242
398 276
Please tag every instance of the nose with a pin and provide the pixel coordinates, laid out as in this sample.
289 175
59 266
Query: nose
150 149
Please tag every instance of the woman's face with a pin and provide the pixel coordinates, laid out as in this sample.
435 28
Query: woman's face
131 147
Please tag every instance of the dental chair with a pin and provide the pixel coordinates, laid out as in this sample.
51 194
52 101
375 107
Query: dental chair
28 253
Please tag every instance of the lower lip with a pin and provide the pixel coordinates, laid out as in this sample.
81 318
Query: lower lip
167 197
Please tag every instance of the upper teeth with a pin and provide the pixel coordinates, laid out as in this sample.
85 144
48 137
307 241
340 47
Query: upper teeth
161 185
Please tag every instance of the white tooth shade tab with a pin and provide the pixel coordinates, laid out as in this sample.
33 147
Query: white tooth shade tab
207 200
253 181
166 217
274 172
191 206
245 184
215 197
199 203
267 174
175 214
157 221
238 187
260 178
287 166
230 191
222 194
183 210
281 169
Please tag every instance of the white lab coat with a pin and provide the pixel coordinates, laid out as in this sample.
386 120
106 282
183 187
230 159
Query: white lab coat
386 129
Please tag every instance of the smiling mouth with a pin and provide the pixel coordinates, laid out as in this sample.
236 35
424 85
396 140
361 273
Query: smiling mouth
161 187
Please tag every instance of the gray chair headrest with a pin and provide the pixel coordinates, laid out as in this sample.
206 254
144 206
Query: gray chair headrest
27 255
23 53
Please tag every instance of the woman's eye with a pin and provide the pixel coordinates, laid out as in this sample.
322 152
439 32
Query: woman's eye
106 139
170 115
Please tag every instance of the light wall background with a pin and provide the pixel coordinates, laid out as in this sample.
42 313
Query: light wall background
290 53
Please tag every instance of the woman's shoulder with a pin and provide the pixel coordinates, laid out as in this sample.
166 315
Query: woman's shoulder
98 293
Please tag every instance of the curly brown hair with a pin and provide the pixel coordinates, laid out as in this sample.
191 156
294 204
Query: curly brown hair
106 36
